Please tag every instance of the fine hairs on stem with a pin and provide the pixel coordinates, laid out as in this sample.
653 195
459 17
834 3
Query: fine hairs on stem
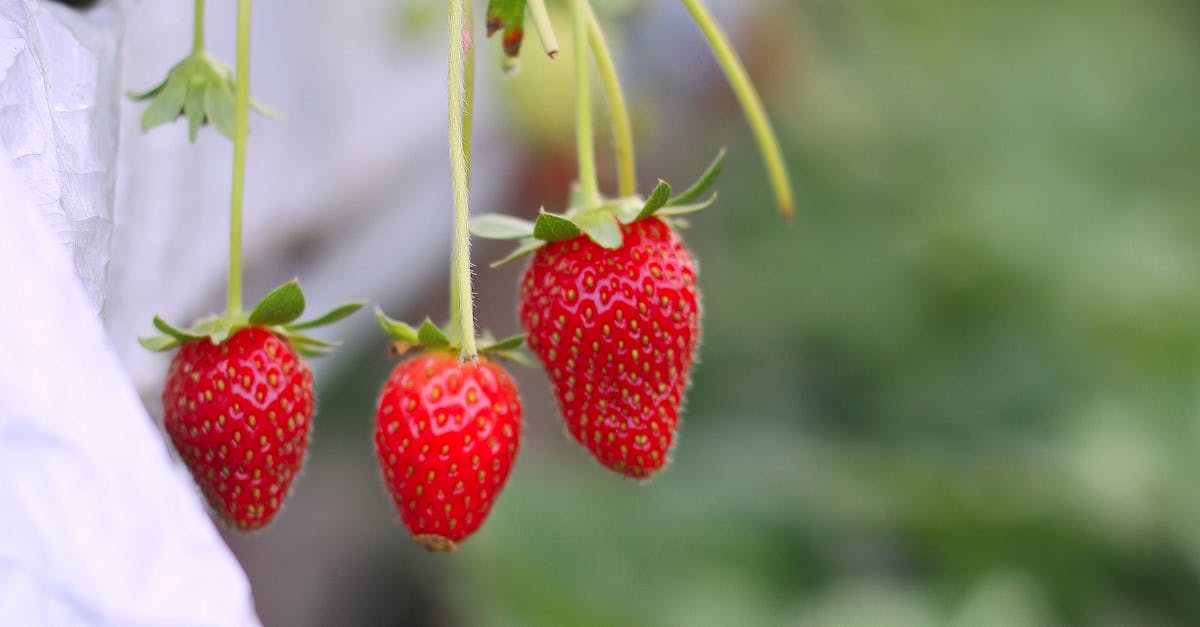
460 280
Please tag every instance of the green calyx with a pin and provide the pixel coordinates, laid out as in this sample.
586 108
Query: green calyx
602 223
276 312
431 337
200 88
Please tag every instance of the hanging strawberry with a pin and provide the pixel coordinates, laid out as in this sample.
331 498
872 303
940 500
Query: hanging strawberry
610 300
448 422
238 399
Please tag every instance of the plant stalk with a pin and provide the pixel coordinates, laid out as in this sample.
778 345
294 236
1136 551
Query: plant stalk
617 109
544 27
584 140
468 115
460 271
241 114
751 103
198 28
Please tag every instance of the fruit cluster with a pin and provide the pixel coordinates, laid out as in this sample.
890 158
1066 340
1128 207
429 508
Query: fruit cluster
609 302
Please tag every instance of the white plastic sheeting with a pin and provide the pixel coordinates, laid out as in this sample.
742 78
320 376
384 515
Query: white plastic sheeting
58 122
97 524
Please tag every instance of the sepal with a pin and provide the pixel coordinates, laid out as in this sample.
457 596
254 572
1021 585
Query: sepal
200 88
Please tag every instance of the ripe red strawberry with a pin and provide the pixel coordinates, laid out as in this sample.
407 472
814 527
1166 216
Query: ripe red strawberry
446 434
239 414
617 331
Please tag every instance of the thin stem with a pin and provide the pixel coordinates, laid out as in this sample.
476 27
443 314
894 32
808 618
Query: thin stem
241 113
469 81
584 141
468 114
618 111
752 104
460 271
198 28
544 27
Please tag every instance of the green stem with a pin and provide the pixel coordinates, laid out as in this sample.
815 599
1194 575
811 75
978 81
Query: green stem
469 82
198 28
618 111
460 271
468 115
752 104
544 27
241 114
584 141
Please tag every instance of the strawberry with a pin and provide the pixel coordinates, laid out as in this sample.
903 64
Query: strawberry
238 401
617 330
612 310
239 413
446 435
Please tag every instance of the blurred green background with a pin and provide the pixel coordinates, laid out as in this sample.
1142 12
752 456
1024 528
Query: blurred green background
960 388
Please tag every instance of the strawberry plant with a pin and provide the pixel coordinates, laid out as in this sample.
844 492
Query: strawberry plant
609 300
238 399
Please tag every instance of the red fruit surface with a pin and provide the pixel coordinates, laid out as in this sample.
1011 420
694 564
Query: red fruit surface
446 434
239 414
617 331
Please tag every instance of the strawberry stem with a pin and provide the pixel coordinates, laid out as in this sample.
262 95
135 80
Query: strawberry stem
468 82
468 116
544 27
751 103
198 28
241 109
460 271
584 140
621 128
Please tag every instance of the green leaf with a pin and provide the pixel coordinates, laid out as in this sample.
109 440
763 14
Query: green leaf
312 348
158 343
678 210
627 209
602 227
554 228
658 199
525 247
331 317
150 93
178 334
507 344
193 107
267 110
703 183
222 331
218 102
167 105
283 305
431 336
500 226
305 340
398 330
519 357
